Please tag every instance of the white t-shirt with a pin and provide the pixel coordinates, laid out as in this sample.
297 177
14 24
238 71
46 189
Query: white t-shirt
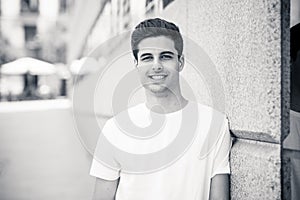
163 171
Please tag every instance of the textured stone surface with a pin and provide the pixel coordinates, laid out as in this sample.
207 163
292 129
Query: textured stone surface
286 176
245 41
255 168
285 70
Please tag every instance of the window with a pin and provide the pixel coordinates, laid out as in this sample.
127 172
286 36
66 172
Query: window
30 33
63 6
28 6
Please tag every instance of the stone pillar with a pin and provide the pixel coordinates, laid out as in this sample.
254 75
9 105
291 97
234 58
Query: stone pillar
248 42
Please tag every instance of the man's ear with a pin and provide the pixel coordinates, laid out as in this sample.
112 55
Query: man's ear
181 62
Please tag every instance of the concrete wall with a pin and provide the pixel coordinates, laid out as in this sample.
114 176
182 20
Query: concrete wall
248 43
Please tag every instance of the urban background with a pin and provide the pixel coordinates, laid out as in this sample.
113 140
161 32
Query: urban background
45 43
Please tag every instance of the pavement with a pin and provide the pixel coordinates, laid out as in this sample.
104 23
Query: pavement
41 156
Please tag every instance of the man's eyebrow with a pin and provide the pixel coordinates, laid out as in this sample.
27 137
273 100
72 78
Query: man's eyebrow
167 52
146 54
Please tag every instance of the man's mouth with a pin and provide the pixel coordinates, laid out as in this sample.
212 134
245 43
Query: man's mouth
158 76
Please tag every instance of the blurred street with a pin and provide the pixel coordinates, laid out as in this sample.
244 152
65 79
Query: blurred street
41 156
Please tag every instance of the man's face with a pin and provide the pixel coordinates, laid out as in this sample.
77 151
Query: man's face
158 64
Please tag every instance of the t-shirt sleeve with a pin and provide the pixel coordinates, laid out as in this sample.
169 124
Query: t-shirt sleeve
104 165
221 154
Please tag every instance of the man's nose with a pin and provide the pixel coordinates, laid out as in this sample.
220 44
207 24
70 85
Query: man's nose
157 66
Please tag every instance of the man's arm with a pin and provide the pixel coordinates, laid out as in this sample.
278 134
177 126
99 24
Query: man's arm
219 187
105 190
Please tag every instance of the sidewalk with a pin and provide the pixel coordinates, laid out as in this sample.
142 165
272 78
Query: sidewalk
35 105
41 156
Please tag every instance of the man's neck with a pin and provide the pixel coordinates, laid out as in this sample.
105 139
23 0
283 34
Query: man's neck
166 102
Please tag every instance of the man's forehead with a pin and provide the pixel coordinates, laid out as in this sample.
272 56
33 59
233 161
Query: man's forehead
157 44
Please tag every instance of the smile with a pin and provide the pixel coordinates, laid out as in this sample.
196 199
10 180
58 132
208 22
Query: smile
157 77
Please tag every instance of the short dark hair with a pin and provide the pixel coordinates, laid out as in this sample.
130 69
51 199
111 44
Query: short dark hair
154 28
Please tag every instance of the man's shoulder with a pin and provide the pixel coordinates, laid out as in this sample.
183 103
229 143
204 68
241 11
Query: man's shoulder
207 109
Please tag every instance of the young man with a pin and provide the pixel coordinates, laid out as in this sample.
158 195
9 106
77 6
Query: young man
202 169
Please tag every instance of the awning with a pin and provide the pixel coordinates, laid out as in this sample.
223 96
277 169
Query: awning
28 65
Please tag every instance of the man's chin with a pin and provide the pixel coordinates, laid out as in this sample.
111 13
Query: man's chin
156 89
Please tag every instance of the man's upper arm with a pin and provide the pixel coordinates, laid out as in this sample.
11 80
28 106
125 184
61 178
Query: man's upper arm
105 190
219 187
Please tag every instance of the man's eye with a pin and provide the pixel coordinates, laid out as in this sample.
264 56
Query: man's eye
166 57
147 58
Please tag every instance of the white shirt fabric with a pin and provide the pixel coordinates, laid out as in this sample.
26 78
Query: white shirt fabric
187 177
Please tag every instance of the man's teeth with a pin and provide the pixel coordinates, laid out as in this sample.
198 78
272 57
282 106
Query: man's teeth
157 77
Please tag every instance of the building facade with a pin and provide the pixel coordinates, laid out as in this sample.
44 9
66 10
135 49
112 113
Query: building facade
34 23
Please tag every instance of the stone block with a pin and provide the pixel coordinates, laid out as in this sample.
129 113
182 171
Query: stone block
256 170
